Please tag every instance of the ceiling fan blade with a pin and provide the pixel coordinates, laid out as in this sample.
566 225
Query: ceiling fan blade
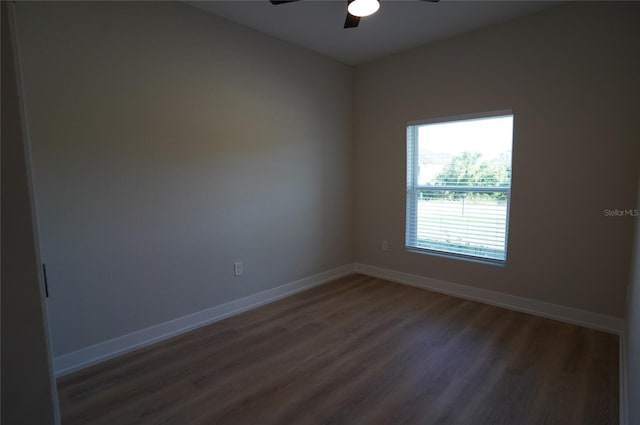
351 21
281 1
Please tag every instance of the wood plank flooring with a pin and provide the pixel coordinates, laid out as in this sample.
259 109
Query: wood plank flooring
359 350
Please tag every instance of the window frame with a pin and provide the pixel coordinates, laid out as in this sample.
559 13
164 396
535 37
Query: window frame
412 187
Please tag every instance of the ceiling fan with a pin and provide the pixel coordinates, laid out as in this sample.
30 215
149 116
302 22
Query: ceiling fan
356 9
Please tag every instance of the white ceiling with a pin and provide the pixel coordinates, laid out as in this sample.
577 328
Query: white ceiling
399 24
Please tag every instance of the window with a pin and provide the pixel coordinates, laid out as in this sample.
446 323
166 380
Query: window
459 185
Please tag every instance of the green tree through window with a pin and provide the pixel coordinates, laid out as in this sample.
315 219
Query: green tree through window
467 169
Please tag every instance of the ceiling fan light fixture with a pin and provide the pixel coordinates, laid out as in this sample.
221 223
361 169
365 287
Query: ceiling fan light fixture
362 8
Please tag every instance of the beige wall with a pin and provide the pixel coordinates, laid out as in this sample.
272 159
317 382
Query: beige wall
571 76
168 144
633 331
28 389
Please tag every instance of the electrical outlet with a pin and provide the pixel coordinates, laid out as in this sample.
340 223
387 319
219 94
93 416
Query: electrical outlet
384 246
237 268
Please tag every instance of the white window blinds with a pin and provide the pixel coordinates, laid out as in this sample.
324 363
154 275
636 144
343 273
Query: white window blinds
459 185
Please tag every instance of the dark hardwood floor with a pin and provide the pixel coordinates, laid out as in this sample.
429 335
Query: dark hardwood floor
359 350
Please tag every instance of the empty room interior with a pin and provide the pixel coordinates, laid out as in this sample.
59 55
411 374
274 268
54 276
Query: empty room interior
263 212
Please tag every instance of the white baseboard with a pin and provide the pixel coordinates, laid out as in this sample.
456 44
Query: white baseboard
100 352
610 324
